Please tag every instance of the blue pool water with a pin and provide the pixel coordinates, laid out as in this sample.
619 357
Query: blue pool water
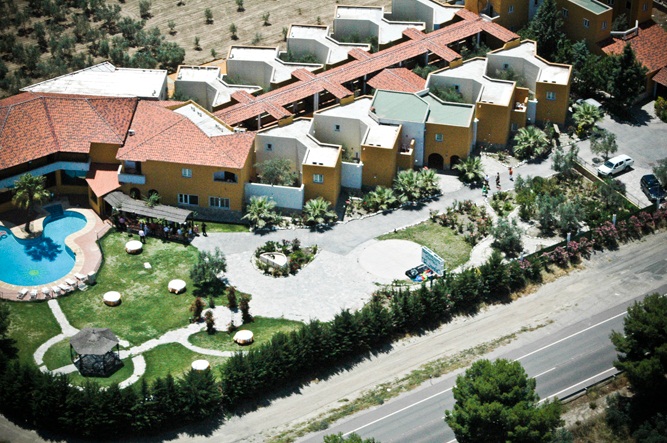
41 260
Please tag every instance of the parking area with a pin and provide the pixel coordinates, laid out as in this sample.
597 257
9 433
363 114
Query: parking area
645 140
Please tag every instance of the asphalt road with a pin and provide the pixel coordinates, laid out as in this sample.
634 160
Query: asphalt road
563 363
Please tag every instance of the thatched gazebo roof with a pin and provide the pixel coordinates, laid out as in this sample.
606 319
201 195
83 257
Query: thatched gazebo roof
94 341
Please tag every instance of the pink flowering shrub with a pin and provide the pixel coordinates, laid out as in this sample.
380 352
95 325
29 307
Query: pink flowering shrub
606 235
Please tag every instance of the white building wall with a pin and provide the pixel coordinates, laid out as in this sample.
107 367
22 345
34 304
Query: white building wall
284 196
302 46
281 147
346 28
350 134
351 175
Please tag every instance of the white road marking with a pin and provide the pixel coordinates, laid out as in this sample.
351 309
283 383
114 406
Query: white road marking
542 373
570 336
577 384
396 412
518 359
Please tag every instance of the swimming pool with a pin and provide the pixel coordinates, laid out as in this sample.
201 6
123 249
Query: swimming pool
41 260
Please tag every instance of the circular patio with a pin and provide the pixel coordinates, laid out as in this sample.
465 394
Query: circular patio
389 259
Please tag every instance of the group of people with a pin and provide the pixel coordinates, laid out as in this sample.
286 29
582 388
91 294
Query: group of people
485 186
171 231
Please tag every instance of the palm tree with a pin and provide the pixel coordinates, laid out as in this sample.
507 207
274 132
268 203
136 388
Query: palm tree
429 181
260 212
380 199
530 142
28 190
407 185
317 212
585 116
471 169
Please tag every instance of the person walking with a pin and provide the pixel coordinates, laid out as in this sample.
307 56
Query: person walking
203 229
498 180
142 236
485 191
486 180
511 172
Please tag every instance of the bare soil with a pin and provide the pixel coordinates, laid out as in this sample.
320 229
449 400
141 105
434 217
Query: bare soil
191 22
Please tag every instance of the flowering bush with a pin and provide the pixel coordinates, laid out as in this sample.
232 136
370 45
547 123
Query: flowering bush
607 235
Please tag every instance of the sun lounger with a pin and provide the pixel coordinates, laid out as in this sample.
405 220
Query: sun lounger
47 292
33 294
22 293
65 288
81 277
70 282
82 286
56 291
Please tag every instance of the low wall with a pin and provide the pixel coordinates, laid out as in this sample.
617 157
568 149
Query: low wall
284 196
351 174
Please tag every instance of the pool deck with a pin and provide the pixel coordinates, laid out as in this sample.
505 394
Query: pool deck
83 243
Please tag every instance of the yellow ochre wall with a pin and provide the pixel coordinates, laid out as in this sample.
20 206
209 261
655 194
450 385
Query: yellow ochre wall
167 180
456 141
103 153
380 163
552 110
330 189
494 123
574 24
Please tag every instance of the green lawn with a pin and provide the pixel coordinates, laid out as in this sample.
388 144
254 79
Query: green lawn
174 359
57 355
441 240
120 375
148 309
262 328
31 325
223 227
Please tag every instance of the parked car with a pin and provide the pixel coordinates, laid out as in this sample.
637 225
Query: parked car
652 188
615 165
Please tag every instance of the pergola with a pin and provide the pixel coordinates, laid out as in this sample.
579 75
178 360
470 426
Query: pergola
126 203
95 352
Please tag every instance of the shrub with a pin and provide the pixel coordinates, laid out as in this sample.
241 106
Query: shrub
507 237
661 109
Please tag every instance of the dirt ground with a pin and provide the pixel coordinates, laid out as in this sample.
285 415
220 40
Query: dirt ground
191 23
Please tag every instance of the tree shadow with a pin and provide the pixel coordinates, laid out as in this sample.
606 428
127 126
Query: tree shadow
44 249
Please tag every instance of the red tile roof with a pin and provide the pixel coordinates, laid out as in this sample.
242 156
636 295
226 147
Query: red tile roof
163 135
103 178
398 79
34 125
649 44
366 64
661 77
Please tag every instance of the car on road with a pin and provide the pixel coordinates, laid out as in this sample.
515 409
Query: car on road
615 165
652 188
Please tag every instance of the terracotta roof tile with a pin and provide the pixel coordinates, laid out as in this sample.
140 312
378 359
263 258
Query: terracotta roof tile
365 64
649 44
103 178
34 125
398 79
242 96
161 134
303 74
661 77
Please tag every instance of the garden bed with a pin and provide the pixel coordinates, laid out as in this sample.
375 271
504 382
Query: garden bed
267 258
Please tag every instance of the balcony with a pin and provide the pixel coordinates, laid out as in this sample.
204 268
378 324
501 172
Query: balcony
130 172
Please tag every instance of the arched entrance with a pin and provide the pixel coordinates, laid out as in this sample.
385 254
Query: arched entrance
435 161
454 160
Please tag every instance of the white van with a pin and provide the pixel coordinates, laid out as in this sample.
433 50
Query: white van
615 165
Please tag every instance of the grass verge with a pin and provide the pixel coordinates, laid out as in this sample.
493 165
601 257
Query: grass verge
223 227
262 328
386 391
58 355
440 239
120 375
31 325
148 309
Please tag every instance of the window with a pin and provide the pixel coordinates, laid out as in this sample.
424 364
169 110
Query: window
186 172
218 202
564 12
551 95
318 178
586 23
628 5
188 199
514 127
438 137
610 2
224 176
645 7
604 24
268 147
456 88
511 9
506 66
337 128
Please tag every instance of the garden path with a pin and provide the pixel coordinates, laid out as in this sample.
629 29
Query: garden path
335 280
222 315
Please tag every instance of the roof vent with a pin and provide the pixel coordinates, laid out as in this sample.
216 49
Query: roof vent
130 131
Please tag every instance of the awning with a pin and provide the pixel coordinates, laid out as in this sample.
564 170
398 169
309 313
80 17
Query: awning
103 178
126 203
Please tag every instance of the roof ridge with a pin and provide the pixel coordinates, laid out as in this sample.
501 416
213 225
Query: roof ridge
88 101
50 121
180 117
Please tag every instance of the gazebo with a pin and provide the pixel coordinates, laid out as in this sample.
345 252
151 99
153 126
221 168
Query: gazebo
95 352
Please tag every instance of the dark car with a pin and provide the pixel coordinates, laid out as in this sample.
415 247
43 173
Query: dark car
652 188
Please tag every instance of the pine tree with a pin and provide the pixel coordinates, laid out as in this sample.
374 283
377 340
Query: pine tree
546 29
628 78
